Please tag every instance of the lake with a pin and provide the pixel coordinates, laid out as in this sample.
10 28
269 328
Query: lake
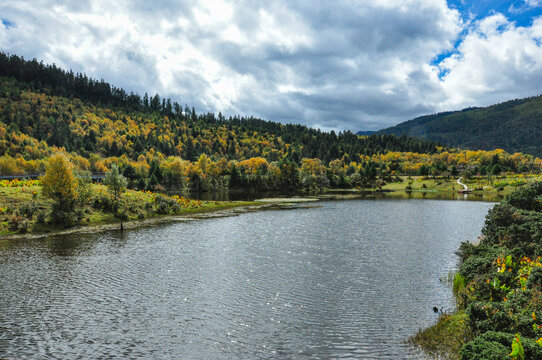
335 279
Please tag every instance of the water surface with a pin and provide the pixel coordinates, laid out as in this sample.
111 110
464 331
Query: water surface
347 279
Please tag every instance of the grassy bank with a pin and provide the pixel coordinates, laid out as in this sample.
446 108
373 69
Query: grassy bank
498 288
442 188
24 209
445 338
503 185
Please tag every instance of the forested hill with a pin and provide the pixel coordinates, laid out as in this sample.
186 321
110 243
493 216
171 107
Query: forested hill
51 104
88 116
157 144
515 126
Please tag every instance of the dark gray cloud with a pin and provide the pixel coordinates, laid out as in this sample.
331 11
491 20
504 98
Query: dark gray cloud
339 64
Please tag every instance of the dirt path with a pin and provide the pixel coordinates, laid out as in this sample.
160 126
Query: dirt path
465 187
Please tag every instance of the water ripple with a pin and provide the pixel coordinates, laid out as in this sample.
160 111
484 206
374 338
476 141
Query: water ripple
352 279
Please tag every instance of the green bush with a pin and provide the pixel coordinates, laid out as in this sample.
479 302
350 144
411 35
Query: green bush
534 281
14 221
476 265
122 215
28 209
165 205
18 223
497 345
148 207
497 307
59 215
103 202
488 316
484 350
526 198
41 217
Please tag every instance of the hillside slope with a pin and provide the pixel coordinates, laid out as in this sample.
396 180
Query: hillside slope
87 116
515 126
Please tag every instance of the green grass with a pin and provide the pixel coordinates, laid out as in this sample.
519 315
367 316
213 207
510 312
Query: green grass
137 204
418 183
502 184
445 338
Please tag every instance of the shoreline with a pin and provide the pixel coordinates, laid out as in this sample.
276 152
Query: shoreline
229 210
239 207
496 288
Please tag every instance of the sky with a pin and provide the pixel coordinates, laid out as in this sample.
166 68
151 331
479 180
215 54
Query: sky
329 64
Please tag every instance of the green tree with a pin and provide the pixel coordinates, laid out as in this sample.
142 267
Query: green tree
116 184
84 188
453 171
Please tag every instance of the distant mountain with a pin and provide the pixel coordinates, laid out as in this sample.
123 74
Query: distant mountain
515 126
366 132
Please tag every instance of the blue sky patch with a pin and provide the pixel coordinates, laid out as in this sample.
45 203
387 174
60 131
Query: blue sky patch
517 11
8 24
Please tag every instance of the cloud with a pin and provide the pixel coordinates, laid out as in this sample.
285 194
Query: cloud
496 61
338 64
533 3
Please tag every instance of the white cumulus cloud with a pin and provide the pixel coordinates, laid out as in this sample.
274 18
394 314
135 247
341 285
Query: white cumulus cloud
334 64
496 61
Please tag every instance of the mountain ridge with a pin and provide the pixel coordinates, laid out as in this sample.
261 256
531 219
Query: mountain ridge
514 125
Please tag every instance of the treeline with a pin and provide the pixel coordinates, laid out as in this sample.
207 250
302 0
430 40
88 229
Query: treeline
499 284
158 145
40 78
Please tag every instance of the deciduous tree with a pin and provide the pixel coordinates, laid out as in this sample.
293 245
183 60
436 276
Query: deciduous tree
59 183
116 184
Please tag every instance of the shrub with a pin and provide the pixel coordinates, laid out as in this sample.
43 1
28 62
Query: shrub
23 226
14 221
534 281
507 316
41 217
122 215
28 209
488 316
480 349
165 205
526 198
476 265
59 215
103 203
162 208
497 345
17 223
79 214
500 299
497 218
